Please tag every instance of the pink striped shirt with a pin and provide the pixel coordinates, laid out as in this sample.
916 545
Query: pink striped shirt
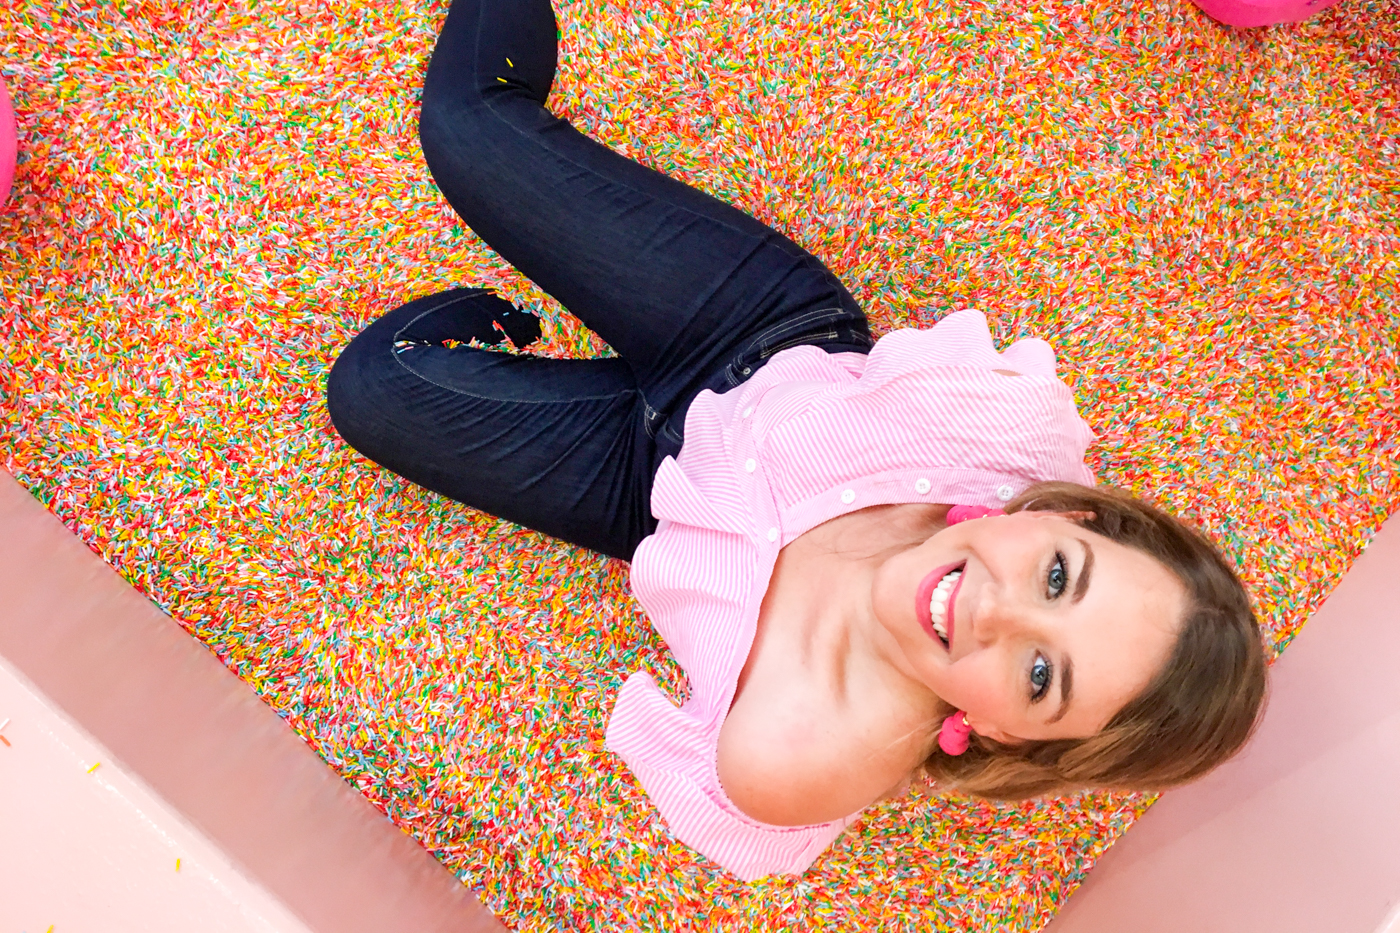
812 436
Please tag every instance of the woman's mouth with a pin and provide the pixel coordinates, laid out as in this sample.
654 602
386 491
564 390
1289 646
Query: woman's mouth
934 602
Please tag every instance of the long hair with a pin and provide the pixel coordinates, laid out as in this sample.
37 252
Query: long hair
1199 709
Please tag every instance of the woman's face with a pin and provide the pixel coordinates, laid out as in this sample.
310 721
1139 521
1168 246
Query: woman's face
1036 627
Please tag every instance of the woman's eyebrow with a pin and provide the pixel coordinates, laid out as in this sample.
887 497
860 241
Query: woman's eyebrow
1082 584
1066 687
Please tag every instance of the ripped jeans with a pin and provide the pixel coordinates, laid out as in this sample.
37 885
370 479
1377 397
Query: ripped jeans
690 292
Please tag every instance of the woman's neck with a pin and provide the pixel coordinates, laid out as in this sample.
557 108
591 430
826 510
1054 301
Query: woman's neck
839 560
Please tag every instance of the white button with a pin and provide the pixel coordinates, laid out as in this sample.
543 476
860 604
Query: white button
750 465
772 534
748 411
848 496
922 485
1004 493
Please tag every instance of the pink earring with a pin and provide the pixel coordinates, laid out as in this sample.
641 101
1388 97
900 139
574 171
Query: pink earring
962 513
955 734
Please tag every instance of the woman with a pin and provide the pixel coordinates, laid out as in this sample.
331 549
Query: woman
814 519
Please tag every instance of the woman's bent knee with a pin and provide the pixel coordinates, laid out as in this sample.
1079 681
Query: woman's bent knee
457 143
343 400
351 393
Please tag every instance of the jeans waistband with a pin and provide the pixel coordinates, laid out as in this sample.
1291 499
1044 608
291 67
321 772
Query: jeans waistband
835 330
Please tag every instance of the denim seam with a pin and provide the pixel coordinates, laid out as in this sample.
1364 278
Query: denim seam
760 353
797 341
779 331
475 293
647 414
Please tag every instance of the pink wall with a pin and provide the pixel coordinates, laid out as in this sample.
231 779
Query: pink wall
192 732
88 847
1301 832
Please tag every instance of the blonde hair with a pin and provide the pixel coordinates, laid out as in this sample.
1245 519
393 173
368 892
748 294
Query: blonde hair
1197 712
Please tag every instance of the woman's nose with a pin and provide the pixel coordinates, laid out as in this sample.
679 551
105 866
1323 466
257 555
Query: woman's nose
997 615
988 616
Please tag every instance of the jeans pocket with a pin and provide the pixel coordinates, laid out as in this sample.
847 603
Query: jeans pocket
811 327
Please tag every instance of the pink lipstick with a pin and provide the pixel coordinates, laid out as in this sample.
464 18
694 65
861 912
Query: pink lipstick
923 594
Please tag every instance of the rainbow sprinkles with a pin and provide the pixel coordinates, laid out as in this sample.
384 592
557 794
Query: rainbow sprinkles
212 198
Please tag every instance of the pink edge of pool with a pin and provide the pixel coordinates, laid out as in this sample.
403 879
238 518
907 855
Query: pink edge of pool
8 144
1266 13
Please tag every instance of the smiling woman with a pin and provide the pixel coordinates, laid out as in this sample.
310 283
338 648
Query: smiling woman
1013 611
1084 638
788 491
1181 688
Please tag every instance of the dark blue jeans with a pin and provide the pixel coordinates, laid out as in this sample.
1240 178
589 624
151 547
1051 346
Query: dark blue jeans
690 292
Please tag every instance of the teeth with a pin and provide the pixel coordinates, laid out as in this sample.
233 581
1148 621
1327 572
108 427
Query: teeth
938 604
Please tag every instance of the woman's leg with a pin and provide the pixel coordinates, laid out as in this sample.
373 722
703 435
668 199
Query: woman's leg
555 445
679 283
691 292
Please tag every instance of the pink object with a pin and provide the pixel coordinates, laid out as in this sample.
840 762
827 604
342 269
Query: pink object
955 734
115 839
1265 13
962 513
9 146
813 435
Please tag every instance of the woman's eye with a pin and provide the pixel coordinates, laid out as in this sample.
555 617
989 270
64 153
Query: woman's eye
1041 673
1058 577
